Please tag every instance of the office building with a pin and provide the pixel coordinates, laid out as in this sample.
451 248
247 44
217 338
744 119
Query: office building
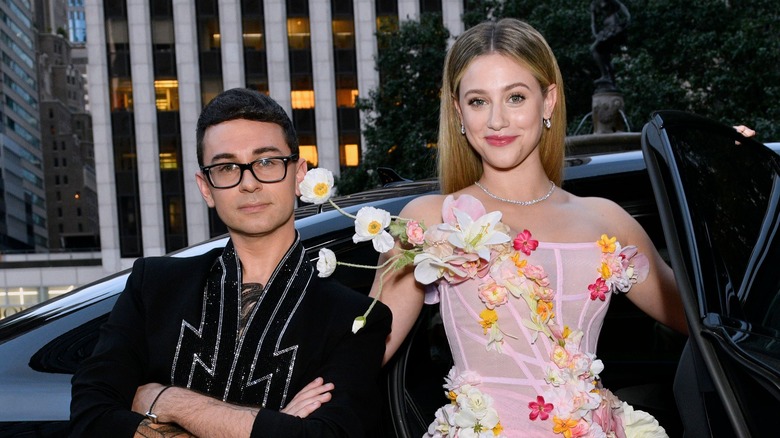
154 64
22 192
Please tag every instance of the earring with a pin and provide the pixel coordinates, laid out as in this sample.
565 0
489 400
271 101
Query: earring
547 123
462 129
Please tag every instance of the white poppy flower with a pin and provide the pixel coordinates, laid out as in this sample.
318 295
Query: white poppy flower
326 263
317 186
370 224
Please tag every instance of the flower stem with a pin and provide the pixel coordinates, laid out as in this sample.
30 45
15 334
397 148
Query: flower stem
340 210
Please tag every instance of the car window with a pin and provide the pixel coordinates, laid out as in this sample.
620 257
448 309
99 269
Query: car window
733 195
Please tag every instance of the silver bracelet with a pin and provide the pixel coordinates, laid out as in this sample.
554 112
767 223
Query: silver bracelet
149 414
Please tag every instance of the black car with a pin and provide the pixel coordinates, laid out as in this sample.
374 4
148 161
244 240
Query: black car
42 346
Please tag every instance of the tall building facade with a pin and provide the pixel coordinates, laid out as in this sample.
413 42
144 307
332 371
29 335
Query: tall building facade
153 64
22 188
66 140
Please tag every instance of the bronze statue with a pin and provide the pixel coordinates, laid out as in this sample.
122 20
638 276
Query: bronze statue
614 19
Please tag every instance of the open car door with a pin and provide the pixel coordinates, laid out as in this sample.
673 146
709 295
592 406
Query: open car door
718 196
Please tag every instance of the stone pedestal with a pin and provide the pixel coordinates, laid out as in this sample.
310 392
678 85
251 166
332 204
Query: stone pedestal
606 109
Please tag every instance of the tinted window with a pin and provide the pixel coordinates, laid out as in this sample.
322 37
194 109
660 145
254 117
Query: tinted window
733 193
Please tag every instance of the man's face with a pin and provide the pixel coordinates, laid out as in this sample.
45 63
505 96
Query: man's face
251 208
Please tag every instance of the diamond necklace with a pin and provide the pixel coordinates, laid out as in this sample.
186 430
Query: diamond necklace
511 201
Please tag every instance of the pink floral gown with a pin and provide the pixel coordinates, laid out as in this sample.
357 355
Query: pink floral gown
523 324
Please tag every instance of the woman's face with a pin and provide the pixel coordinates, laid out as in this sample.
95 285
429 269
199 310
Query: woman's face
501 105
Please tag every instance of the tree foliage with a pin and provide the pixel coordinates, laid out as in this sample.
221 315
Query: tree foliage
402 116
716 58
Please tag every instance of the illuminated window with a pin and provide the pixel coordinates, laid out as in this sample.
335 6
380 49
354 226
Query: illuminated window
346 97
253 34
121 94
302 99
298 34
309 153
343 34
168 161
167 95
351 155
21 296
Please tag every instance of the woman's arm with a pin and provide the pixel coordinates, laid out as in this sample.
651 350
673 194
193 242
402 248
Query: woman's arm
399 289
657 296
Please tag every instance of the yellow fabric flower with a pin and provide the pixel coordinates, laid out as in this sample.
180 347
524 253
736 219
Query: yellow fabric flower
498 429
607 244
564 426
605 271
489 317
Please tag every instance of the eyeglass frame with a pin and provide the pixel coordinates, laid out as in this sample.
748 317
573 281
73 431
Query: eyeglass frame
248 166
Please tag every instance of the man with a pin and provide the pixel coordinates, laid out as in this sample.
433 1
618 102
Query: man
218 344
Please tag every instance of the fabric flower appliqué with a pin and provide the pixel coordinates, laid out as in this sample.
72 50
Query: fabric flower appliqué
620 268
524 243
470 413
539 409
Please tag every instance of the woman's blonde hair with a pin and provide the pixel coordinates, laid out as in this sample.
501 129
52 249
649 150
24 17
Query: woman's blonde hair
458 163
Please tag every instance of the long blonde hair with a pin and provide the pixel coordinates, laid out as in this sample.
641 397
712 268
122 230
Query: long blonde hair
458 163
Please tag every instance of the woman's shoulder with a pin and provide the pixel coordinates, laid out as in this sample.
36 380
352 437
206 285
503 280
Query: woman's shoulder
424 208
601 213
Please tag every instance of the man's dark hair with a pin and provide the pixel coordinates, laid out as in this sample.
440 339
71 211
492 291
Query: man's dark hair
243 103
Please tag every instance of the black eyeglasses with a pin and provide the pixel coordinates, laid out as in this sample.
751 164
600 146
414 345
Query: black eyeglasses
266 170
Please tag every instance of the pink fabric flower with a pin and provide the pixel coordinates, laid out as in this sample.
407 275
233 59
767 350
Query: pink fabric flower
524 243
537 274
539 409
492 295
598 289
465 203
607 414
415 233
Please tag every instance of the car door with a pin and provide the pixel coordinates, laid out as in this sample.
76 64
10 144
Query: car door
718 196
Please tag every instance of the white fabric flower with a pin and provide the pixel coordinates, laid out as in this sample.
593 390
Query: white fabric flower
370 224
640 424
475 236
317 186
326 263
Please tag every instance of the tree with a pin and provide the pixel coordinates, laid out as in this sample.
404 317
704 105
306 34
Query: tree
402 115
715 58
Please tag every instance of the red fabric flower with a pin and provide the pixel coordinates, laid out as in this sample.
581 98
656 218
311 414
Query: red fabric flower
598 289
524 243
539 408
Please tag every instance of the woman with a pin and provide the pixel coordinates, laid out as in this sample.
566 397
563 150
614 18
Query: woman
523 316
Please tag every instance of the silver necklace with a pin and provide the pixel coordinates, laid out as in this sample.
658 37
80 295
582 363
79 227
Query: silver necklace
511 201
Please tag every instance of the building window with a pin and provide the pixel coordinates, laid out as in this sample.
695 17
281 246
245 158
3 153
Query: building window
167 95
351 155
302 99
298 33
309 153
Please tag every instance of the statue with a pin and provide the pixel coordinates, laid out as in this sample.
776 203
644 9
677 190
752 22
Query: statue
614 18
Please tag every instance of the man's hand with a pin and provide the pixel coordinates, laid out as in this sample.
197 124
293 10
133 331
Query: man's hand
308 399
